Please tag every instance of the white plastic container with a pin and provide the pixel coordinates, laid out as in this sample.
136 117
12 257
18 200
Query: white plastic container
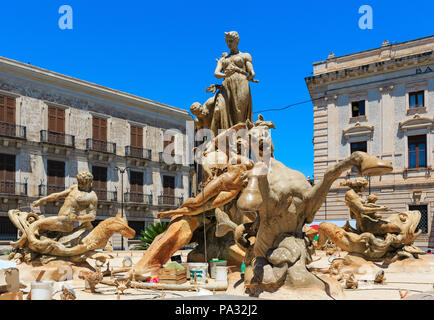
42 290
221 273
198 272
213 264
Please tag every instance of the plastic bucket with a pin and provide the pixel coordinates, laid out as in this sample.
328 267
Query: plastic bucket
42 290
198 272
221 273
213 264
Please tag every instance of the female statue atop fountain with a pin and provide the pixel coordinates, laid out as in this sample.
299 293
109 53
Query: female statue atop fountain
233 103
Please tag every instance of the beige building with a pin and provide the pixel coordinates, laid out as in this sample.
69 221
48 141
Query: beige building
380 101
53 126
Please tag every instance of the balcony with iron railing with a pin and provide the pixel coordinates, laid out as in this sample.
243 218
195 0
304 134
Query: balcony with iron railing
56 138
166 200
105 195
100 146
12 130
13 188
176 159
136 152
136 197
45 190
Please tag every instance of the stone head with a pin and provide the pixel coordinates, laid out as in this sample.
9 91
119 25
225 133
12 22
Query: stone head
232 39
84 180
196 109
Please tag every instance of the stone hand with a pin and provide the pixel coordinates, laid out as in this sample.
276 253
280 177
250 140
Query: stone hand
36 203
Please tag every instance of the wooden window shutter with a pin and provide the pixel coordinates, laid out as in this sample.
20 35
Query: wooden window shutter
136 182
52 123
169 185
10 110
136 136
56 120
55 176
168 142
99 129
7 109
60 120
103 132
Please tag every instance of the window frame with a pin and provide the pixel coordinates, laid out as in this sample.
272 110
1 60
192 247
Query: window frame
364 108
417 140
416 94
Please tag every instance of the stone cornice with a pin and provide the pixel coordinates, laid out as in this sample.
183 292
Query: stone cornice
369 69
42 75
416 122
358 130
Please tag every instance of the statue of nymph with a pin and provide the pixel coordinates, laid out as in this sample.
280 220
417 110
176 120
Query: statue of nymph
233 103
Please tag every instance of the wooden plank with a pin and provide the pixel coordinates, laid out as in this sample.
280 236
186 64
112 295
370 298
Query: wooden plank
12 296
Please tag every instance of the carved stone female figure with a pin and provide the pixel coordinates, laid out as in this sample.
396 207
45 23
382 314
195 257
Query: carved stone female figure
233 103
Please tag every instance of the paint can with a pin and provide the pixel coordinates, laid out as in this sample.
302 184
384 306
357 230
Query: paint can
221 273
213 264
42 290
198 272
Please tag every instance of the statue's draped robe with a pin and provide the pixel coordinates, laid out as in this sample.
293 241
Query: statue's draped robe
233 104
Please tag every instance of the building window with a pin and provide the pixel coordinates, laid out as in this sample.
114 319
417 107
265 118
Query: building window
7 116
417 151
55 176
423 223
416 99
358 108
136 186
136 136
56 125
7 173
99 184
138 227
167 143
7 230
359 146
169 185
99 134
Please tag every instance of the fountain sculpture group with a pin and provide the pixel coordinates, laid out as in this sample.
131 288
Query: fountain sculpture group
252 207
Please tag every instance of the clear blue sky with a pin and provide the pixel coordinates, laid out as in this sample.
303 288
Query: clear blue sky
166 50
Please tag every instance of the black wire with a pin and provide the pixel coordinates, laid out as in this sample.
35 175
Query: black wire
288 106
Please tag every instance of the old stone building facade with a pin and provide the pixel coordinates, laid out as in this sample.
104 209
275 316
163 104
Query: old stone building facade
53 126
380 101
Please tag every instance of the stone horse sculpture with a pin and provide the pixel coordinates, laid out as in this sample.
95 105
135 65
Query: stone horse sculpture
96 239
374 238
69 247
285 202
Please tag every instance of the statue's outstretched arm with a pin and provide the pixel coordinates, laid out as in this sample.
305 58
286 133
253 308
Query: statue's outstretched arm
52 197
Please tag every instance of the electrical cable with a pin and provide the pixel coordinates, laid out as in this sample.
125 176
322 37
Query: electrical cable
288 106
